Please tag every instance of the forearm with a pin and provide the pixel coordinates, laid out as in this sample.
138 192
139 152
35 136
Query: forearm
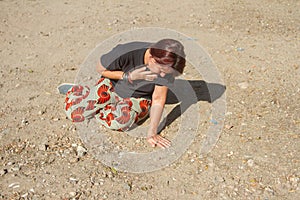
159 97
108 74
158 103
155 117
112 74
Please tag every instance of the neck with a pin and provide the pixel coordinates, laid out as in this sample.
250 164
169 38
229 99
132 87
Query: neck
147 57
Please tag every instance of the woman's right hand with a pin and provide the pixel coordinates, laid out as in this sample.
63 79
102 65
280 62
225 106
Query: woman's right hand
157 140
142 73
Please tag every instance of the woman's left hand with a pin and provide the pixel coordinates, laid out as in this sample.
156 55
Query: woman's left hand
157 140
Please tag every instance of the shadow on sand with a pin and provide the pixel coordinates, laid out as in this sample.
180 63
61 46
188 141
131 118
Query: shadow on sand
187 93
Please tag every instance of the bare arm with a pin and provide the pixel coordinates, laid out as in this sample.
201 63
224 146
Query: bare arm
108 74
158 102
137 74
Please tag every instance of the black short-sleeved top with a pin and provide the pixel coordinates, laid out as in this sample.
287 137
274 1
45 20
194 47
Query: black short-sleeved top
126 58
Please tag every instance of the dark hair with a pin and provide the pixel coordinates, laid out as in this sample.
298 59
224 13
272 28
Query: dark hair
169 51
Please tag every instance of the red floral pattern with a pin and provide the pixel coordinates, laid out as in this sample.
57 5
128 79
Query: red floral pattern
91 105
77 90
109 118
111 110
125 115
77 115
144 105
103 94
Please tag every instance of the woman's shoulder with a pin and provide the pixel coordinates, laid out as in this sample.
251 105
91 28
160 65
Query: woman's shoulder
123 51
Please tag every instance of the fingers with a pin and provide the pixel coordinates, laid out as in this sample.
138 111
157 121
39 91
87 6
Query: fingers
152 142
141 73
159 141
151 77
140 69
164 143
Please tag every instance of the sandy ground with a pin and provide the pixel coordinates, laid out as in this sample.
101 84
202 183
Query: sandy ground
255 46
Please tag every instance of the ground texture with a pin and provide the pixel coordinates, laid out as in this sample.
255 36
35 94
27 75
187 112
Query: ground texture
255 46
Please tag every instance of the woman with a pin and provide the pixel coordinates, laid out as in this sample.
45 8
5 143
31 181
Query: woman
134 81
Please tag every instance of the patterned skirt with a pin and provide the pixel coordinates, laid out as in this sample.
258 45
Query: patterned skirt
112 111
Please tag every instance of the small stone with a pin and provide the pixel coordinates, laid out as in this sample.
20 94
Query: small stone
73 180
24 195
41 112
74 145
127 186
81 151
43 147
228 113
250 163
240 49
15 168
230 154
73 160
24 122
228 127
3 172
14 185
72 194
243 85
115 21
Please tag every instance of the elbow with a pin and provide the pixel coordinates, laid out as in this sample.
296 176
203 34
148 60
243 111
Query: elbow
158 100
99 68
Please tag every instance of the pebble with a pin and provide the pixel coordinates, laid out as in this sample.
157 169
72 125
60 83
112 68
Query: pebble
72 194
127 186
56 119
81 151
24 195
14 185
3 172
228 127
41 112
73 180
240 49
24 122
250 163
73 160
43 147
230 153
228 113
15 168
243 85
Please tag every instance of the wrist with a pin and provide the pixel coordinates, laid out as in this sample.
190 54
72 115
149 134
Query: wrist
126 77
130 78
151 133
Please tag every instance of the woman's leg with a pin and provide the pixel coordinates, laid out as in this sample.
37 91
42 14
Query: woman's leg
124 113
83 103
105 105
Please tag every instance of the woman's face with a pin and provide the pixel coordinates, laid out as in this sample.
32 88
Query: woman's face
160 69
